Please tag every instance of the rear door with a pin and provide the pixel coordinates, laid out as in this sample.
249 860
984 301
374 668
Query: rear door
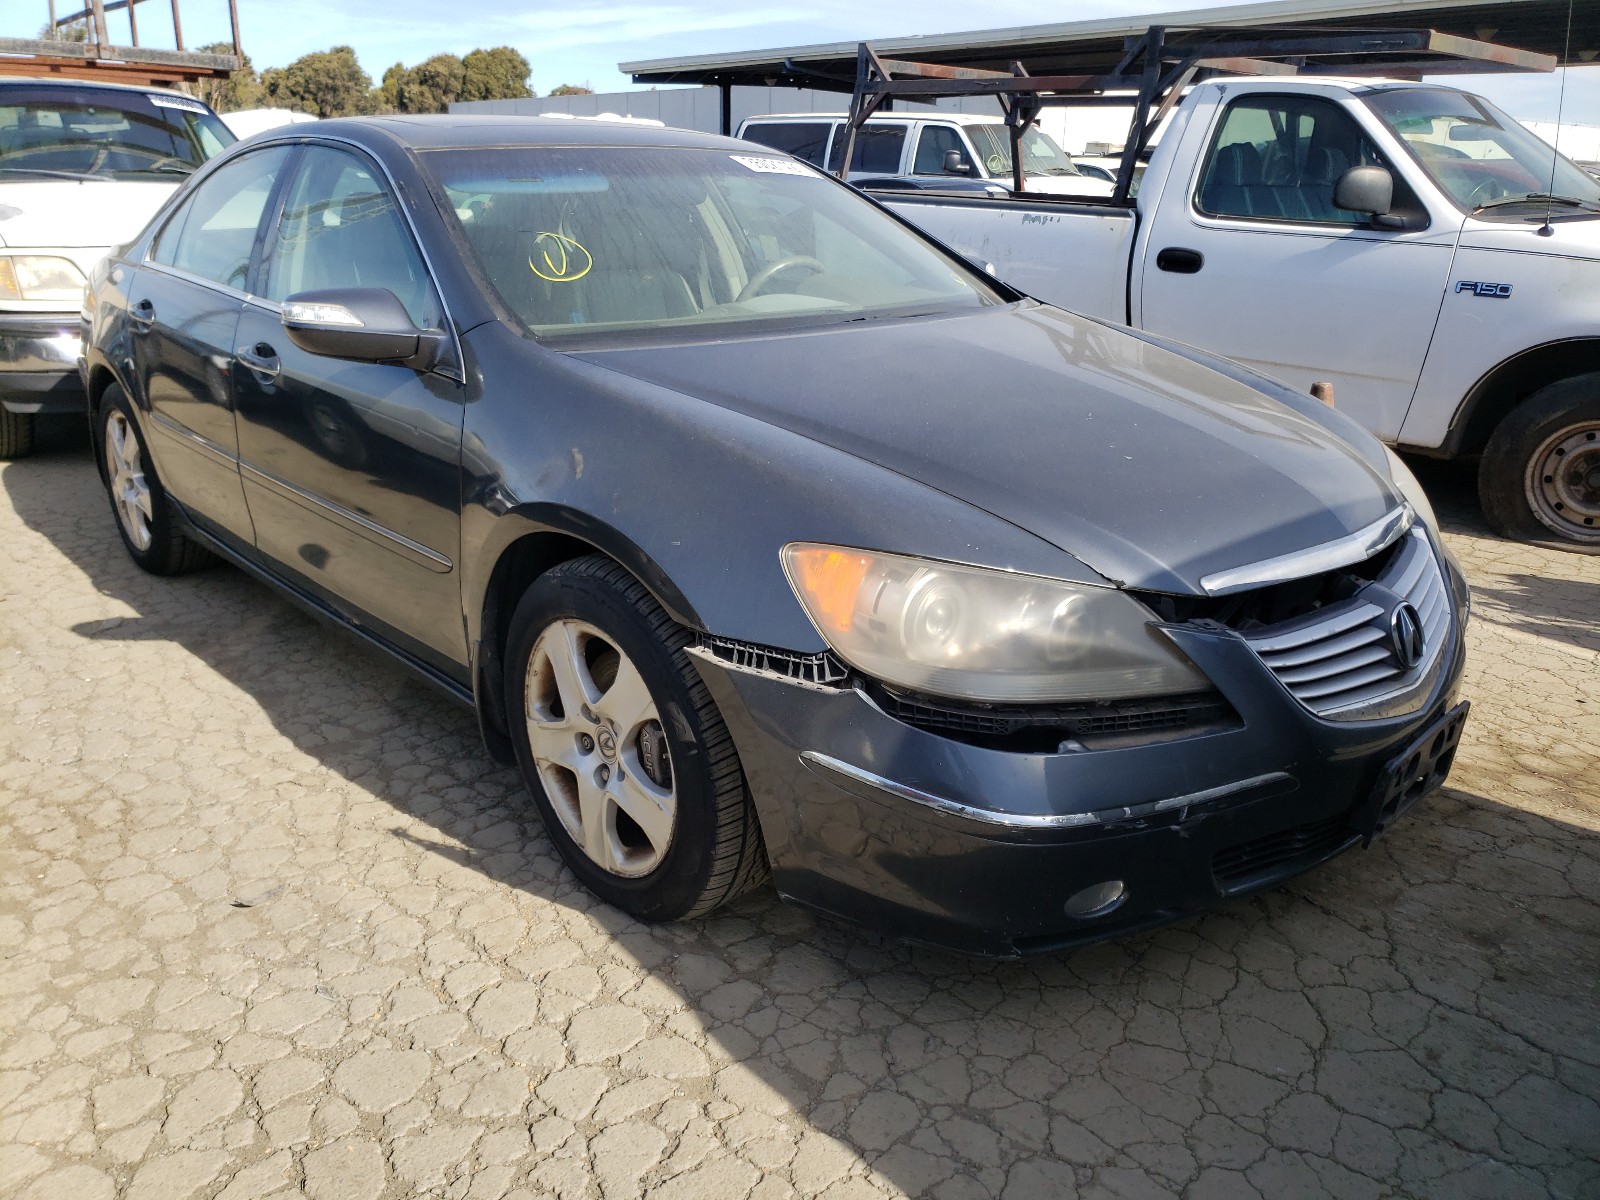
1251 259
352 470
183 309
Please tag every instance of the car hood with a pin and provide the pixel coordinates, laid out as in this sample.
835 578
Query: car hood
71 213
1574 237
1148 467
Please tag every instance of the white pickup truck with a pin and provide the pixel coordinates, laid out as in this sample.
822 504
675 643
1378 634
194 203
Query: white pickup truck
1410 244
83 166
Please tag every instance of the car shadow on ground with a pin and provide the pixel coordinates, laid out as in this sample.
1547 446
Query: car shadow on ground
1411 1017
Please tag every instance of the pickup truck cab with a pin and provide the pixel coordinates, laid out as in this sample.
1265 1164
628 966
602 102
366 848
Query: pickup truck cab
1396 240
928 148
83 166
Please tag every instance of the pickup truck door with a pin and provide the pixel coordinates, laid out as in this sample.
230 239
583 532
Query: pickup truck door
1248 257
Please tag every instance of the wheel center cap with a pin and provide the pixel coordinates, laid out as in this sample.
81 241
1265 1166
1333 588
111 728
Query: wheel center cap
606 740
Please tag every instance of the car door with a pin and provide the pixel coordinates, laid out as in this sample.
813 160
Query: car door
183 309
1256 263
352 469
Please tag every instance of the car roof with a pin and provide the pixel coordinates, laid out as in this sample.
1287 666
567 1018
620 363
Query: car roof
465 130
99 85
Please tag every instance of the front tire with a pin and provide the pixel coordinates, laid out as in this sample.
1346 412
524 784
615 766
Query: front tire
16 434
623 749
1539 480
149 525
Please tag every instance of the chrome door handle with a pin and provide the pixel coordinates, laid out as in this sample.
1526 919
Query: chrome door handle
261 360
142 315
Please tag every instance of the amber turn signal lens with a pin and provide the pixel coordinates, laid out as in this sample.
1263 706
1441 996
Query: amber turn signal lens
830 579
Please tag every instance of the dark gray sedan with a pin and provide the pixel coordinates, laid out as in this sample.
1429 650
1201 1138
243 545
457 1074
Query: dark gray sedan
760 529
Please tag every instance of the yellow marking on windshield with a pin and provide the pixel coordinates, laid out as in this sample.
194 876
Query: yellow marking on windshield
564 258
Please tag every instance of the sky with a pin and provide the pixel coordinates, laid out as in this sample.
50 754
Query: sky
581 41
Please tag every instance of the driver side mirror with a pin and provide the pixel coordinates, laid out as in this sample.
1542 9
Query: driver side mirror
361 324
955 163
1368 190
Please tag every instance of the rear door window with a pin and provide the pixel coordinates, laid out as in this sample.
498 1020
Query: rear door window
878 149
213 234
803 139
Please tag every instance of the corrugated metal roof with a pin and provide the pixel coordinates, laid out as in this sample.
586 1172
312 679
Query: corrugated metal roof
1538 25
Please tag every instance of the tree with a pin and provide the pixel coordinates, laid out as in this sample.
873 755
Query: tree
72 31
431 85
329 83
497 74
568 89
386 96
239 91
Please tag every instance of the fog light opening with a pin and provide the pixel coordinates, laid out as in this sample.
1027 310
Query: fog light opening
1098 900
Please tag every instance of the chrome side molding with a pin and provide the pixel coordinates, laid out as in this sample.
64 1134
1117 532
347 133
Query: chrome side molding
824 763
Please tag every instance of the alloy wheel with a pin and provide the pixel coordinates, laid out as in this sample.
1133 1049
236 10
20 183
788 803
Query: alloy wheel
130 491
599 748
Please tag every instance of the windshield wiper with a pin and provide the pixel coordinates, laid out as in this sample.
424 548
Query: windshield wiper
53 174
1538 198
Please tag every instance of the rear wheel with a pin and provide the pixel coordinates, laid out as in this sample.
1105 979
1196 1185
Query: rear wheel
628 760
150 528
1539 480
16 434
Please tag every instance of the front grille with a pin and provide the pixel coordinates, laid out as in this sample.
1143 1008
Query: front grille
1280 854
1042 728
1340 657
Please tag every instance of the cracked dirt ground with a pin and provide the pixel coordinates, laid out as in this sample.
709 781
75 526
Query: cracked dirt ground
272 924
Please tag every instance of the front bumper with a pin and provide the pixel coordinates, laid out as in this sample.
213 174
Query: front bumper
39 363
981 850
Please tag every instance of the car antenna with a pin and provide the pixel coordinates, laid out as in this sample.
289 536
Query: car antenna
1547 229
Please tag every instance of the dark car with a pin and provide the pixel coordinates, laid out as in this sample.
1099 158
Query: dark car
758 528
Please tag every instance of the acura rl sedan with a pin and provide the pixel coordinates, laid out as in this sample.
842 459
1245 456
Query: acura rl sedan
765 534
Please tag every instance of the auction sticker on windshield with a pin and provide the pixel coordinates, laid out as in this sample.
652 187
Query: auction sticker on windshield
177 102
772 166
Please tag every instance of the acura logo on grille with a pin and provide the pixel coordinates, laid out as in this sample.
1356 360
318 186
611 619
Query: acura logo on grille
1405 635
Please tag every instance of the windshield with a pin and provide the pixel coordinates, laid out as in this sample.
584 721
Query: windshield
1040 155
1477 154
103 134
586 240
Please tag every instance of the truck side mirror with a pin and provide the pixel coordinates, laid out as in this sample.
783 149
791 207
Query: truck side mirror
1367 190
955 163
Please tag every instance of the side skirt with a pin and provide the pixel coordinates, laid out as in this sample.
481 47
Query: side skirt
317 608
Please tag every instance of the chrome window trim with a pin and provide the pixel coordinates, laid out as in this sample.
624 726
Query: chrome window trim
1341 552
458 372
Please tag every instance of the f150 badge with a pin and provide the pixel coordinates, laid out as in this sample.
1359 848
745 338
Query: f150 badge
1496 291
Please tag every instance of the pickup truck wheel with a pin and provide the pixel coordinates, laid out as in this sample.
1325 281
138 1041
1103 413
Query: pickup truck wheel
623 749
1539 480
149 527
16 434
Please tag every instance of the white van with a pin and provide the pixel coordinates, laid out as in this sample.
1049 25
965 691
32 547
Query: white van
953 146
83 167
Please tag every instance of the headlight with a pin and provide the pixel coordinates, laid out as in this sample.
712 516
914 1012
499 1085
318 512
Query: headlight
1407 483
39 277
979 634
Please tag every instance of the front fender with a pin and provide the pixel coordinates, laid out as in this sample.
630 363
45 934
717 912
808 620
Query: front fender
697 500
